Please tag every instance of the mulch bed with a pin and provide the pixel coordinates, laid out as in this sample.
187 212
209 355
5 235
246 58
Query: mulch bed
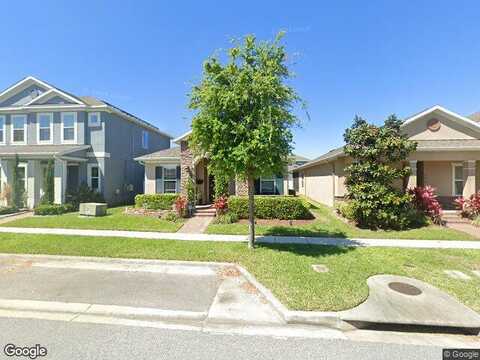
145 212
277 222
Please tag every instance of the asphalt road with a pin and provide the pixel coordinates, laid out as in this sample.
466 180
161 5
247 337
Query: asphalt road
67 340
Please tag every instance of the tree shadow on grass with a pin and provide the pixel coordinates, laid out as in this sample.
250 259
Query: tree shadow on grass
298 231
313 251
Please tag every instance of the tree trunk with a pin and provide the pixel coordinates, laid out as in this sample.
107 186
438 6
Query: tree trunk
251 212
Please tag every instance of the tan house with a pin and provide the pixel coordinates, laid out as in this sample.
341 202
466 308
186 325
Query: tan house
446 158
169 170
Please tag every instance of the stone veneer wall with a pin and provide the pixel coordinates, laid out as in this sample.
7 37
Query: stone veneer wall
241 187
186 166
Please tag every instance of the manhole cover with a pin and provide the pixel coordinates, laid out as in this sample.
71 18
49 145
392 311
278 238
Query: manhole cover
404 288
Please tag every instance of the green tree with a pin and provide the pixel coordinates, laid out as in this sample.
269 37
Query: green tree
377 154
244 113
17 189
48 196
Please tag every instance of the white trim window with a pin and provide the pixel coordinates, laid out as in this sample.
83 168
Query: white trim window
22 176
19 129
2 130
45 128
94 179
69 127
94 119
145 138
457 179
167 179
267 186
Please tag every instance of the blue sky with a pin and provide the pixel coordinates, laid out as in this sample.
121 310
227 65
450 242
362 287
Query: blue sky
371 58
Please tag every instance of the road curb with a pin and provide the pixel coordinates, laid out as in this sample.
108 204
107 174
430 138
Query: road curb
329 319
113 311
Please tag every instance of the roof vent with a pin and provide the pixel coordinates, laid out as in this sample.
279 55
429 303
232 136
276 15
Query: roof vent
34 93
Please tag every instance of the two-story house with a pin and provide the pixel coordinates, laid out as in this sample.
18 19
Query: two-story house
90 141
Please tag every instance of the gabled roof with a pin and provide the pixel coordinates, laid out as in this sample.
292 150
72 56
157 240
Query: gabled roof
86 102
182 137
449 114
423 145
165 154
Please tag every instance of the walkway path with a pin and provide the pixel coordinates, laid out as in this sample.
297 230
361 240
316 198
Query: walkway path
195 225
11 217
353 242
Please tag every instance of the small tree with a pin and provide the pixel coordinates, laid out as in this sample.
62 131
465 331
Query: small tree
17 189
377 154
244 114
48 196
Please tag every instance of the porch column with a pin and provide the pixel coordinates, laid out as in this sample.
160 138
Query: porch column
59 181
412 179
5 176
33 183
469 170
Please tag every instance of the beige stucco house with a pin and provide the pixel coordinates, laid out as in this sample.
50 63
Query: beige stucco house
447 158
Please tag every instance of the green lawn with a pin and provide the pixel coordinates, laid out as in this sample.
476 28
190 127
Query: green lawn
285 269
328 224
114 220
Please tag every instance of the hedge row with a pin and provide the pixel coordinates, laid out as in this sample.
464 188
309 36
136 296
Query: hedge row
53 209
155 201
271 207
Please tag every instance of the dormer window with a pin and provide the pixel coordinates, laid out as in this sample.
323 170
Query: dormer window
19 129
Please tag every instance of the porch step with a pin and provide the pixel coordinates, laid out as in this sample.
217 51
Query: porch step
205 211
453 216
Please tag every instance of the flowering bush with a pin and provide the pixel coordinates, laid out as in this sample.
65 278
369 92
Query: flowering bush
221 205
181 206
426 201
470 208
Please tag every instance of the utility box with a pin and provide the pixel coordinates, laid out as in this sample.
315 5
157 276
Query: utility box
93 209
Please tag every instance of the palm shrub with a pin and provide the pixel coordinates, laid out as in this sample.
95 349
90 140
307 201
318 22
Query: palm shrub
17 189
48 196
376 152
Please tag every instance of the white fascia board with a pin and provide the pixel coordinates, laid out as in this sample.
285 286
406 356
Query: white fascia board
52 92
182 137
22 83
23 109
447 112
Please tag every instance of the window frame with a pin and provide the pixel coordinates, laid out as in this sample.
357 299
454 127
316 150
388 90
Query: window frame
145 143
24 165
3 128
50 141
89 177
99 116
25 129
62 116
267 179
164 178
455 180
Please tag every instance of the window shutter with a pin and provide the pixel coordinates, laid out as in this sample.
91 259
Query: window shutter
158 172
179 172
279 185
257 186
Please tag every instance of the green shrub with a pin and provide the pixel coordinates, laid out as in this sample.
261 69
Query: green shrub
83 195
271 207
53 209
4 210
171 216
227 218
155 201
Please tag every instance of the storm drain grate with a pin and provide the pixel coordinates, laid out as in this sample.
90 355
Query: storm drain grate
404 288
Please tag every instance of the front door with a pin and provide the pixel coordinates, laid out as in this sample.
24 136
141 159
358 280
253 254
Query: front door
72 177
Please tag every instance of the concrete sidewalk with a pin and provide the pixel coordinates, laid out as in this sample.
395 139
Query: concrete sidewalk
353 242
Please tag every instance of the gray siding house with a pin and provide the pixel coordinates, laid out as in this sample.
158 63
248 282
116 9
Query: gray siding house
90 141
